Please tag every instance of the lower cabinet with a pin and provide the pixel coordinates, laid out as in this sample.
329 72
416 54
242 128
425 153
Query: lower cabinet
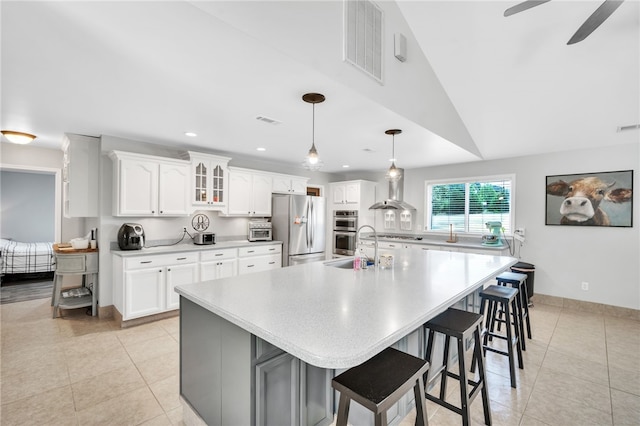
259 258
216 264
289 391
143 285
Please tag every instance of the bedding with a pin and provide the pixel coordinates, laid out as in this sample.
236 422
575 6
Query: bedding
25 258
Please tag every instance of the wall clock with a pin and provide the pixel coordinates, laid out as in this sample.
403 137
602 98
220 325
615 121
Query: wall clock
200 222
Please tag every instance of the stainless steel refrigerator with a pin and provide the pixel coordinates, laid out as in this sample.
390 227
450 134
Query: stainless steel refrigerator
299 221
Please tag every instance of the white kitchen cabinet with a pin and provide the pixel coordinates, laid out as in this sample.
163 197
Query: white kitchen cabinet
150 186
80 177
249 193
354 195
259 258
179 275
143 285
209 187
346 192
216 264
287 184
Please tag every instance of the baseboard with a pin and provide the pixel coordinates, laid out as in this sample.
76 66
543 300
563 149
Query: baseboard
579 305
105 312
143 320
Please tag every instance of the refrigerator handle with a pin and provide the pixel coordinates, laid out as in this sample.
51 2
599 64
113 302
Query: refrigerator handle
307 224
313 222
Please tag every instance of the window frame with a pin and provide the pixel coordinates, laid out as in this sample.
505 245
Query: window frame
428 184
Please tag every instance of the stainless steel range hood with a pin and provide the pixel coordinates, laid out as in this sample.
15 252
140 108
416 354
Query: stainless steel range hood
394 202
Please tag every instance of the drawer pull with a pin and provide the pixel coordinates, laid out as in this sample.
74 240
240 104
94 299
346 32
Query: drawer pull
250 266
271 263
219 254
145 261
250 251
181 258
271 249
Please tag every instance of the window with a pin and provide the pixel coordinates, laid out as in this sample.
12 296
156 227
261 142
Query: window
468 204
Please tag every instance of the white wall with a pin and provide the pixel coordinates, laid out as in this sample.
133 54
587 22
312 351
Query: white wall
564 256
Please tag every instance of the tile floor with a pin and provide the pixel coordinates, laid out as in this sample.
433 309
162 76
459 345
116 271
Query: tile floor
580 369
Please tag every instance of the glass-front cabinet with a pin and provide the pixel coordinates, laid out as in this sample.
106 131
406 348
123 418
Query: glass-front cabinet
210 181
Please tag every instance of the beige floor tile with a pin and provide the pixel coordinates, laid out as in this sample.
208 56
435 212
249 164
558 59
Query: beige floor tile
626 408
161 420
104 387
141 333
158 368
130 408
577 367
554 409
52 407
625 380
24 383
530 421
500 391
175 416
167 392
81 368
584 347
24 360
75 326
91 345
566 387
152 348
171 325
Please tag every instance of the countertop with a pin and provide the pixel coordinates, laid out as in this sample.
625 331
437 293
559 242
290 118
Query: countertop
337 318
433 240
190 247
67 249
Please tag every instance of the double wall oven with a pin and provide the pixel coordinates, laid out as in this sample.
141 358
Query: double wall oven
345 225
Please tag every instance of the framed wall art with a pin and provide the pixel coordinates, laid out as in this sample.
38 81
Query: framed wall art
590 199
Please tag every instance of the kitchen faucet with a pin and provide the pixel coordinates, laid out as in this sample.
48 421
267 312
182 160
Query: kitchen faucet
375 236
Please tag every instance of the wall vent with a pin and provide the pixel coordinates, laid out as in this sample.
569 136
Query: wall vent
363 36
268 120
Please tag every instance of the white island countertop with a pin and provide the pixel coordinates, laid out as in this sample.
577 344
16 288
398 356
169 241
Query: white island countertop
338 318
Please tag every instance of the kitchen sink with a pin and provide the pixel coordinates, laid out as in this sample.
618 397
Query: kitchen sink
340 263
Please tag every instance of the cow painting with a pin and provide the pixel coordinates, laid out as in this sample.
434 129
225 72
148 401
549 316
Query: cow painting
585 200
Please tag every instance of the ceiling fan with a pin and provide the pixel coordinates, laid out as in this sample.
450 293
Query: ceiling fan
598 17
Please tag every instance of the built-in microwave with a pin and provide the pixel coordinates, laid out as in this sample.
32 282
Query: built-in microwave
345 220
344 243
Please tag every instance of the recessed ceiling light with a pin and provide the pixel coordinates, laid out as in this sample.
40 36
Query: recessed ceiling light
261 149
345 166
190 134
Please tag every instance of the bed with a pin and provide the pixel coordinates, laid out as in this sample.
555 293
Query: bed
25 258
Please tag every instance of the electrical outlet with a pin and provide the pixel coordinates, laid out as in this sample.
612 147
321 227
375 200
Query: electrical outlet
585 285
520 231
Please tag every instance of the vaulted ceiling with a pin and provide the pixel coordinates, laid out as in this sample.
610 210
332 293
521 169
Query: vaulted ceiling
475 85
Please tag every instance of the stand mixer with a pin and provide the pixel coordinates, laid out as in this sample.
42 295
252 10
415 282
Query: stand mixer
493 239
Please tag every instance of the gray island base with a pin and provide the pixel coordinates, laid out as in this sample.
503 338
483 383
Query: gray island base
261 349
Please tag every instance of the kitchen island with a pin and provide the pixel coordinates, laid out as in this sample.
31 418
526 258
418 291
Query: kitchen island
305 322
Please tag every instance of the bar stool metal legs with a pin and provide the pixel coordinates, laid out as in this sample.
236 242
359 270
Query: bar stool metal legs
504 298
380 382
462 326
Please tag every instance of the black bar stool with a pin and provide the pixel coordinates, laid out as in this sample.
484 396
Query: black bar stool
519 281
380 382
498 297
461 325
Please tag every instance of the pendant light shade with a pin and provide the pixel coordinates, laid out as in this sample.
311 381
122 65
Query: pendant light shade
393 174
20 138
312 161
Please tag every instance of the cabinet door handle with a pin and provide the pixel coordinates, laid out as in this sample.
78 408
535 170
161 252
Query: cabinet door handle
271 249
146 261
271 263
250 266
153 211
160 270
169 269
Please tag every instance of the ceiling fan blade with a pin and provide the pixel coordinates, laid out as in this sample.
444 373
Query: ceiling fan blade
528 4
594 21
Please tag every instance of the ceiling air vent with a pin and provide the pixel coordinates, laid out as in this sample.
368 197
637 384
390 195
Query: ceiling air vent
363 36
267 120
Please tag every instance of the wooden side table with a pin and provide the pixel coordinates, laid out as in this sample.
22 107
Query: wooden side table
75 262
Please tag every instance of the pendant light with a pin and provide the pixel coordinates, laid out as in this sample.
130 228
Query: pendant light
312 161
393 174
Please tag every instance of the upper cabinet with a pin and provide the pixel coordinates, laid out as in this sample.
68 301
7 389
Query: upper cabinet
287 184
146 185
80 175
353 195
249 193
209 181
